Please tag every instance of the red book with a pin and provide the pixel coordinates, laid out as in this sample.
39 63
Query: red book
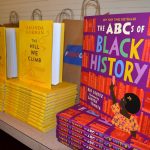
93 80
85 78
141 121
134 89
98 85
148 80
127 89
120 135
98 127
104 105
103 82
145 51
85 59
84 118
109 106
120 90
144 124
108 83
148 126
93 43
140 94
140 145
85 25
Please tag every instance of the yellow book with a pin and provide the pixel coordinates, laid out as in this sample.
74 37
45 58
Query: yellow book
35 45
2 53
42 91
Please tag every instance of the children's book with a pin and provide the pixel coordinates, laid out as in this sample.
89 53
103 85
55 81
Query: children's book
115 80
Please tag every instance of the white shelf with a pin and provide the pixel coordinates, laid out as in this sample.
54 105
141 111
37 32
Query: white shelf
30 136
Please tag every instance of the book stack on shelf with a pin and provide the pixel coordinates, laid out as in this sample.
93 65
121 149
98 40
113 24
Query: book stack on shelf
39 93
114 110
81 128
36 105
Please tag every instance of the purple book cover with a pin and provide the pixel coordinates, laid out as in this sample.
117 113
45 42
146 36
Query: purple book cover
115 80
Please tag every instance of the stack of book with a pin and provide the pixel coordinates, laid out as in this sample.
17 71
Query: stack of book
115 63
39 92
81 128
2 93
37 105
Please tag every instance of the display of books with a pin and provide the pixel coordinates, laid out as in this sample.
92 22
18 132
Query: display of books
115 85
36 105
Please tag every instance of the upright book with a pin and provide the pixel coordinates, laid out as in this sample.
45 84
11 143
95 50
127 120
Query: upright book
35 46
115 80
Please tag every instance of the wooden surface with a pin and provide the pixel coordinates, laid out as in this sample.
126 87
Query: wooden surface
30 136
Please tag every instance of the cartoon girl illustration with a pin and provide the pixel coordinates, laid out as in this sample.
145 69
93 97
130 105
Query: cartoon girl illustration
123 111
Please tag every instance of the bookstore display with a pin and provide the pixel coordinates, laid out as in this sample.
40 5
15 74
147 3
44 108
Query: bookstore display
31 86
113 112
114 109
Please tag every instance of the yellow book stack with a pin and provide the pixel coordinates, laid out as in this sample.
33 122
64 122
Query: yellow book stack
32 98
37 105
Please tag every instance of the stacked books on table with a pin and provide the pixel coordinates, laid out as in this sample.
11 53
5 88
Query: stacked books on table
80 128
36 105
114 76
2 93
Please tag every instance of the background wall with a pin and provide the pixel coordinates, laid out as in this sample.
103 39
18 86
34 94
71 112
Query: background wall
50 8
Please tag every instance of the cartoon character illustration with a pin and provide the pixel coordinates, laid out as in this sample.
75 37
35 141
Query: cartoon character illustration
123 111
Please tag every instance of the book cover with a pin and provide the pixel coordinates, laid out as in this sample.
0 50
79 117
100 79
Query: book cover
35 45
116 75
